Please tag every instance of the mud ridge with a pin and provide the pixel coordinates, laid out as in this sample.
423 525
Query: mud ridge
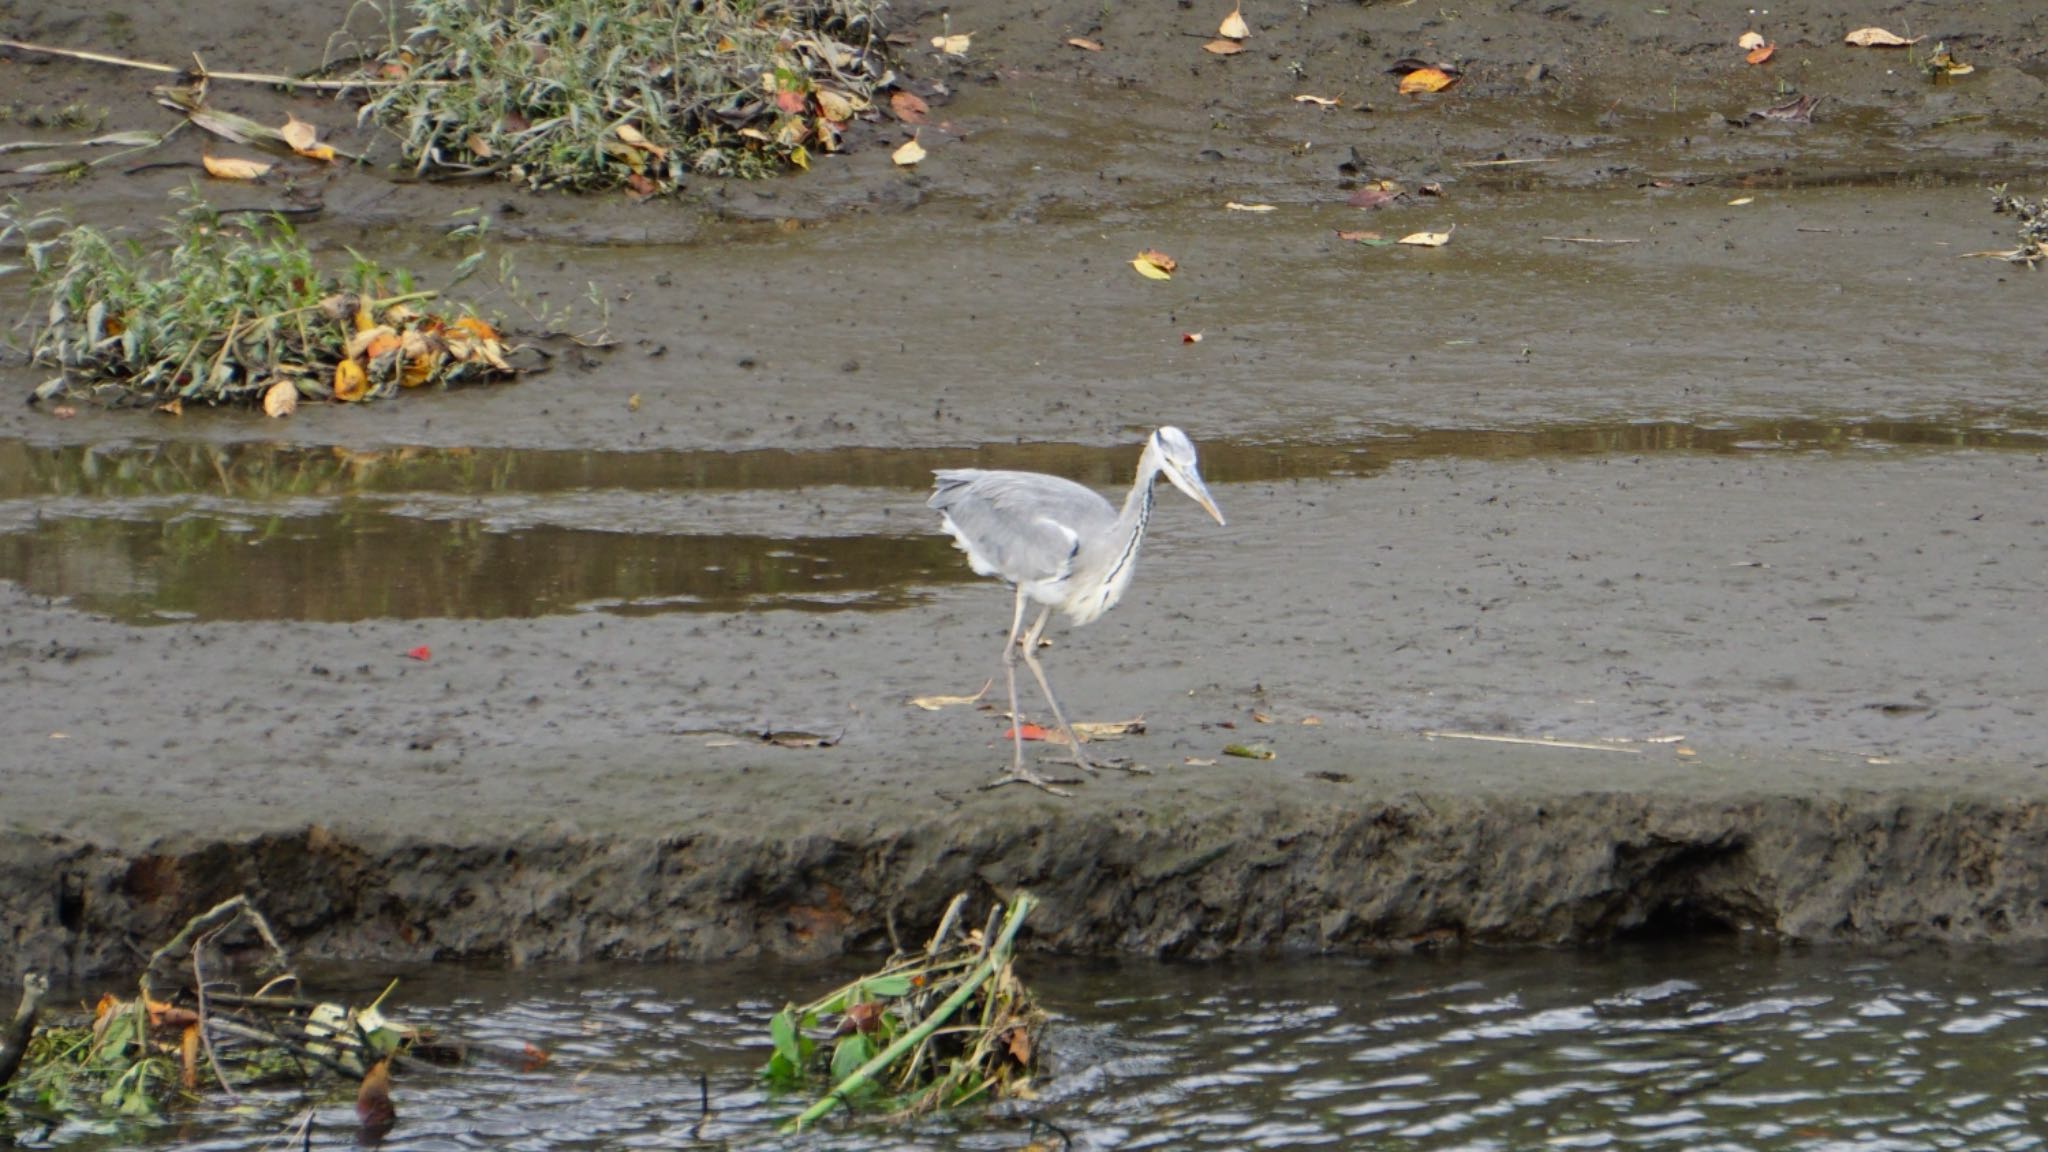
1413 872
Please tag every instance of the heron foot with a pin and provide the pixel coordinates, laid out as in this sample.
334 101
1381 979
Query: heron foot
1027 776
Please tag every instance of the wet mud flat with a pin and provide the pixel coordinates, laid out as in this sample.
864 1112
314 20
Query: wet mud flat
1723 482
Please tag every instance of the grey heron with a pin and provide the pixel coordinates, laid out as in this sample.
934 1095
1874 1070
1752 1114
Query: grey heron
1061 546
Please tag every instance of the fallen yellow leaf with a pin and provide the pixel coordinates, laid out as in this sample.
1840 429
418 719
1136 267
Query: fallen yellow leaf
834 106
953 45
1234 26
1879 38
1750 40
1085 44
1428 239
637 139
909 154
1153 264
1426 80
934 703
351 383
281 399
1223 47
233 167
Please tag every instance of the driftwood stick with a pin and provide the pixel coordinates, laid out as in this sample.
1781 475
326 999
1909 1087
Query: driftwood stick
242 77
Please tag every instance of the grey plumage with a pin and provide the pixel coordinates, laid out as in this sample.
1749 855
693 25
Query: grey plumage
1062 546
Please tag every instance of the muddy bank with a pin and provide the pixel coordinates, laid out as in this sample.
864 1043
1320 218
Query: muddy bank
206 664
1314 867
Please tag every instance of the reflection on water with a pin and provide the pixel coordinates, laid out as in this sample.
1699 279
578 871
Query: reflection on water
1639 1047
185 530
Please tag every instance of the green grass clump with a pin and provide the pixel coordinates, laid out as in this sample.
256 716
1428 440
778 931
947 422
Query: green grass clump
231 307
633 94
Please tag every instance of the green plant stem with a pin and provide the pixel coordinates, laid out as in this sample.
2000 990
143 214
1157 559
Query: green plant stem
997 956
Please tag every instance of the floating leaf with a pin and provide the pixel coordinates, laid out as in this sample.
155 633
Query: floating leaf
1739 201
1761 53
909 154
1426 239
1191 337
233 167
1943 64
909 107
934 703
1223 47
1109 729
1749 41
1084 44
1360 237
303 139
1234 206
953 45
1154 265
1249 751
1426 80
1879 38
1318 101
421 653
1233 25
281 399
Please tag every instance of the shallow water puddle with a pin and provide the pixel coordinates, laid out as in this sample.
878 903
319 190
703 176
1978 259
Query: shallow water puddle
185 530
1639 1046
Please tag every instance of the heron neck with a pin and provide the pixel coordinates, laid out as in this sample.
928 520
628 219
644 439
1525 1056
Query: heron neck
1130 524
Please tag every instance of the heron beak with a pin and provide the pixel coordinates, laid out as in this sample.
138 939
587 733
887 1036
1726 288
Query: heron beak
1197 491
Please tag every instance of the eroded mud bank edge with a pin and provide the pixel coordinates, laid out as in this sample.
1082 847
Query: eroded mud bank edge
1417 871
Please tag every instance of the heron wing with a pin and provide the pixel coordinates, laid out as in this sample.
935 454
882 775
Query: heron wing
1022 526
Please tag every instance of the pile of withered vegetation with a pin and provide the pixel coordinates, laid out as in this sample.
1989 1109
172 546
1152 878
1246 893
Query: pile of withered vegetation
235 310
634 94
944 1026
193 1028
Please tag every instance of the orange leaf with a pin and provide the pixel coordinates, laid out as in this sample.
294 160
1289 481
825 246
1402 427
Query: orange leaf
1025 732
374 1109
1426 80
233 167
909 107
351 383
1020 1045
188 1050
475 327
1761 53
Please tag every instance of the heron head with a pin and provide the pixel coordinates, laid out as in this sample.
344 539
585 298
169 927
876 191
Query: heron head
1176 455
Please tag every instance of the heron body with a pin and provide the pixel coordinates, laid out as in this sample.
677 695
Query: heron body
1062 546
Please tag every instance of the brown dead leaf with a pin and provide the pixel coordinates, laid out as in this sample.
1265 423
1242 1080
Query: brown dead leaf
1426 80
1084 43
1761 53
1223 47
1233 25
374 1110
1020 1044
909 107
233 167
281 399
478 146
637 139
1354 236
172 407
351 383
1879 38
1372 197
1092 730
639 187
1191 337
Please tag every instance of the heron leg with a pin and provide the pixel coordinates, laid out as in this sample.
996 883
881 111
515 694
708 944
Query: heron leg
1030 648
1019 774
